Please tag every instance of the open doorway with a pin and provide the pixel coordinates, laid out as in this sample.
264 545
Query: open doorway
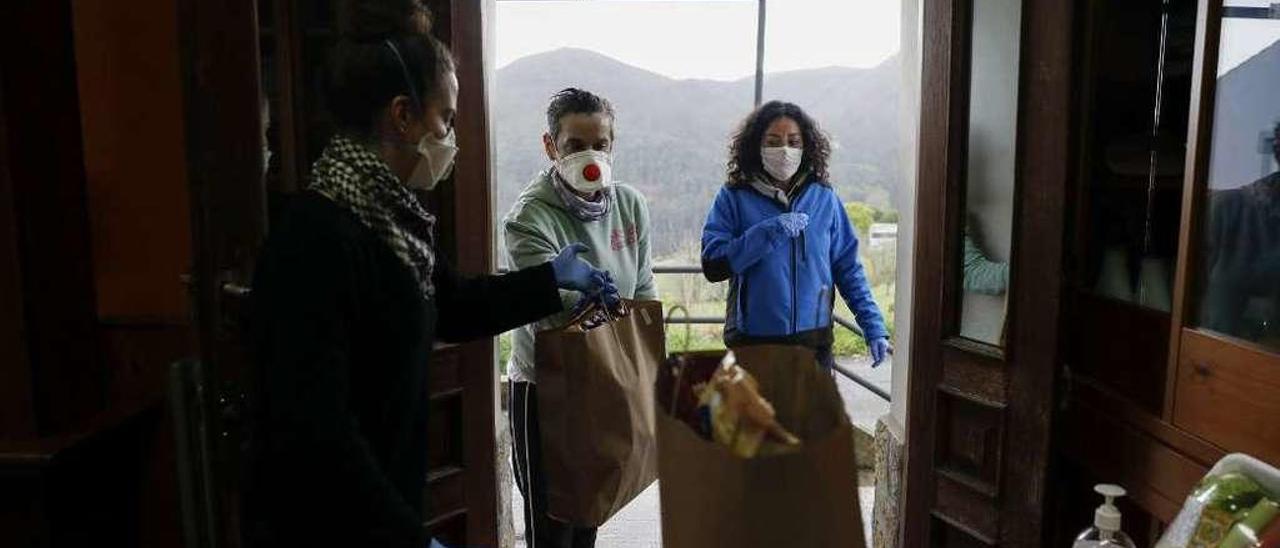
678 99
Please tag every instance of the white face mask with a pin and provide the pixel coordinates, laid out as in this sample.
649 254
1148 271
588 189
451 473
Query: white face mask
781 162
435 161
587 171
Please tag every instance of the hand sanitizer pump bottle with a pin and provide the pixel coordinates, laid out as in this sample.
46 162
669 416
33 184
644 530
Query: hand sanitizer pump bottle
1106 523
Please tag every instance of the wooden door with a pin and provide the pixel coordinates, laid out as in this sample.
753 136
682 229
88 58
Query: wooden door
993 167
219 59
1124 218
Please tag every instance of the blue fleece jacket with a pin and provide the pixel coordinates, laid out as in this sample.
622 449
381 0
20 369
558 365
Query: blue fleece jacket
782 289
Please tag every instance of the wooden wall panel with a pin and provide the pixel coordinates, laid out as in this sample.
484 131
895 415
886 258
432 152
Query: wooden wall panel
948 533
1157 476
978 377
138 356
17 412
129 85
1228 392
1135 365
93 440
131 115
962 505
970 442
46 171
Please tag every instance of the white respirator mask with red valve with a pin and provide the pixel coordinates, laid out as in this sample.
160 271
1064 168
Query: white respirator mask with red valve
587 172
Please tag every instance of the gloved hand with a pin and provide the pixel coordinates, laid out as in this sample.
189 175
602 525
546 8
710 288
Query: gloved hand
436 544
608 295
576 274
789 224
880 349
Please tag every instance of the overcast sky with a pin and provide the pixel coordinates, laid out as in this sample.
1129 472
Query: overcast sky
712 39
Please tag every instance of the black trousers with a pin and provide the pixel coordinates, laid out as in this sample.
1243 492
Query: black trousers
540 529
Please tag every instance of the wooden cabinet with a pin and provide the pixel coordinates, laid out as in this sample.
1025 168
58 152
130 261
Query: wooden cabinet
1142 337
1172 354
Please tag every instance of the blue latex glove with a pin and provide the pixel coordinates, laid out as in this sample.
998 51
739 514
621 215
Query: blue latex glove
880 349
608 295
436 544
791 224
788 225
576 274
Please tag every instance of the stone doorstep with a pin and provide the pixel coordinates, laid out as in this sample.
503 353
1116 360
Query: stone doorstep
864 449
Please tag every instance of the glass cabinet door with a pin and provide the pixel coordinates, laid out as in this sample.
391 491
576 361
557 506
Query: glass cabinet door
1229 356
1134 101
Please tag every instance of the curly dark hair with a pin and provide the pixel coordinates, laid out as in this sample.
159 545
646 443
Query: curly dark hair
744 149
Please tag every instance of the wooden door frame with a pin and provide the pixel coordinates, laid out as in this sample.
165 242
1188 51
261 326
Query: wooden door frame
1045 169
939 166
1204 86
472 195
219 56
1016 383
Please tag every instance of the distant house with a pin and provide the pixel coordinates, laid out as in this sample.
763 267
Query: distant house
882 234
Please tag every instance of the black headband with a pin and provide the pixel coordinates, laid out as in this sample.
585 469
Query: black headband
404 69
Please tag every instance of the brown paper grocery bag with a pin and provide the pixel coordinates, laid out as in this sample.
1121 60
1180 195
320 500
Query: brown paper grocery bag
596 411
805 499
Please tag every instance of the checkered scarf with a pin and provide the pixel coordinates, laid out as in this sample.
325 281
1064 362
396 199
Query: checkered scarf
357 179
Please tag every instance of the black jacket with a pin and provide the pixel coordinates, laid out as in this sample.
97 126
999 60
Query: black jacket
342 338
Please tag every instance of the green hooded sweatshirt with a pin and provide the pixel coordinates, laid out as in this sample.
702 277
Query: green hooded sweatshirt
539 226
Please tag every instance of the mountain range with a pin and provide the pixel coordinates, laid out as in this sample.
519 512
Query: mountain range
672 136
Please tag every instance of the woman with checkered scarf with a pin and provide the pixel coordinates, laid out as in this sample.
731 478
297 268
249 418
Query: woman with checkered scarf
350 297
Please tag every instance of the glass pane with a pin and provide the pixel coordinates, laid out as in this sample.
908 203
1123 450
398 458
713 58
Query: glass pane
1240 253
993 120
1134 91
1136 149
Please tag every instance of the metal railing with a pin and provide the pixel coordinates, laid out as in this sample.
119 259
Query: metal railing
711 320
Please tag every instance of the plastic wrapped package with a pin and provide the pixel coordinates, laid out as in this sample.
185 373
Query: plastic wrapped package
740 418
1235 506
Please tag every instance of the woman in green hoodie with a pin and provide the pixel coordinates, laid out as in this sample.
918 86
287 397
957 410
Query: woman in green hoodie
572 201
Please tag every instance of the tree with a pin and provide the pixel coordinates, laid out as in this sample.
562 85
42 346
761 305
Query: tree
861 215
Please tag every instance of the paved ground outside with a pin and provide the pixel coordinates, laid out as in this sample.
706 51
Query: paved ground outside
639 525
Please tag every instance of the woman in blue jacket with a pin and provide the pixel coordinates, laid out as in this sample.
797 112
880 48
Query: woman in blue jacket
779 233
